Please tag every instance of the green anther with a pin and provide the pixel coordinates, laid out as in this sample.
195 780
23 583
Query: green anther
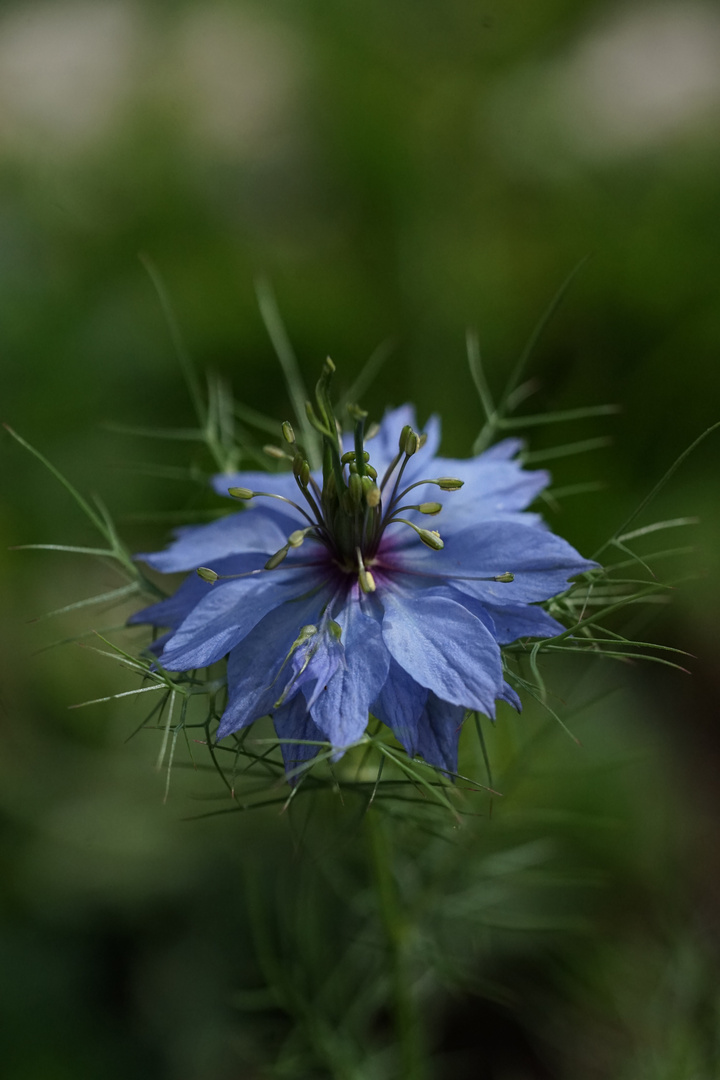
335 629
207 574
404 435
430 508
275 452
288 433
355 489
367 581
371 472
349 457
506 577
412 443
432 538
371 490
277 558
241 493
449 483
296 538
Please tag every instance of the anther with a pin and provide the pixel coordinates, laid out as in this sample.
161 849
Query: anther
431 537
429 507
241 493
288 433
277 558
207 574
506 577
276 452
449 483
367 581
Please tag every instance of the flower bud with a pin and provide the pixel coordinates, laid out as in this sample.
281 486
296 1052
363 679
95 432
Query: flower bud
207 574
241 493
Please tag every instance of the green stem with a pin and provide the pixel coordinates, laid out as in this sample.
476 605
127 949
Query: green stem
407 1017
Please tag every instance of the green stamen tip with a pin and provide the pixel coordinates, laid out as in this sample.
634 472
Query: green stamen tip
335 629
288 433
296 538
207 574
430 508
372 491
367 581
275 452
241 493
506 577
449 483
432 538
277 558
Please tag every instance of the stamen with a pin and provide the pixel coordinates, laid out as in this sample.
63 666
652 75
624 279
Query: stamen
288 433
430 537
245 494
367 581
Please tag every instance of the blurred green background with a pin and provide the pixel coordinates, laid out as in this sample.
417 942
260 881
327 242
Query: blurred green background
399 171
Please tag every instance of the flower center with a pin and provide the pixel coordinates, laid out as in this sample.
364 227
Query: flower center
349 512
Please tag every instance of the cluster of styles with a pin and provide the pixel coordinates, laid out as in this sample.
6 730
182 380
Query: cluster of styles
333 601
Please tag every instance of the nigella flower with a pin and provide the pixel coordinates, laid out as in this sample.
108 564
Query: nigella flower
332 600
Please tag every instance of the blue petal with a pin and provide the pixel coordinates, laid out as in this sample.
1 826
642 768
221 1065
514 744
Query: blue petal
513 621
292 721
201 545
399 705
174 609
439 729
256 665
502 451
444 648
341 710
509 695
541 562
314 662
228 614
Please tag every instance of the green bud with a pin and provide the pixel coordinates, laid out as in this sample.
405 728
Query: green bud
288 433
241 493
277 558
449 483
432 538
355 489
506 577
430 508
207 574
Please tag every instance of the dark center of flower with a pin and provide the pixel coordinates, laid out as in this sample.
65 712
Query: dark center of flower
350 511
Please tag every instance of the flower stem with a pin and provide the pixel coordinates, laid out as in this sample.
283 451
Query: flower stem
408 1026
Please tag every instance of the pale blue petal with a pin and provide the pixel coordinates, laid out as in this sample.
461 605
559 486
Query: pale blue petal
438 735
174 609
541 562
444 648
314 663
341 710
256 666
201 545
293 721
399 706
228 614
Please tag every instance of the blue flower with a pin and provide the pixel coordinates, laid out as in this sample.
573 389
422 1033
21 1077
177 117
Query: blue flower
332 599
